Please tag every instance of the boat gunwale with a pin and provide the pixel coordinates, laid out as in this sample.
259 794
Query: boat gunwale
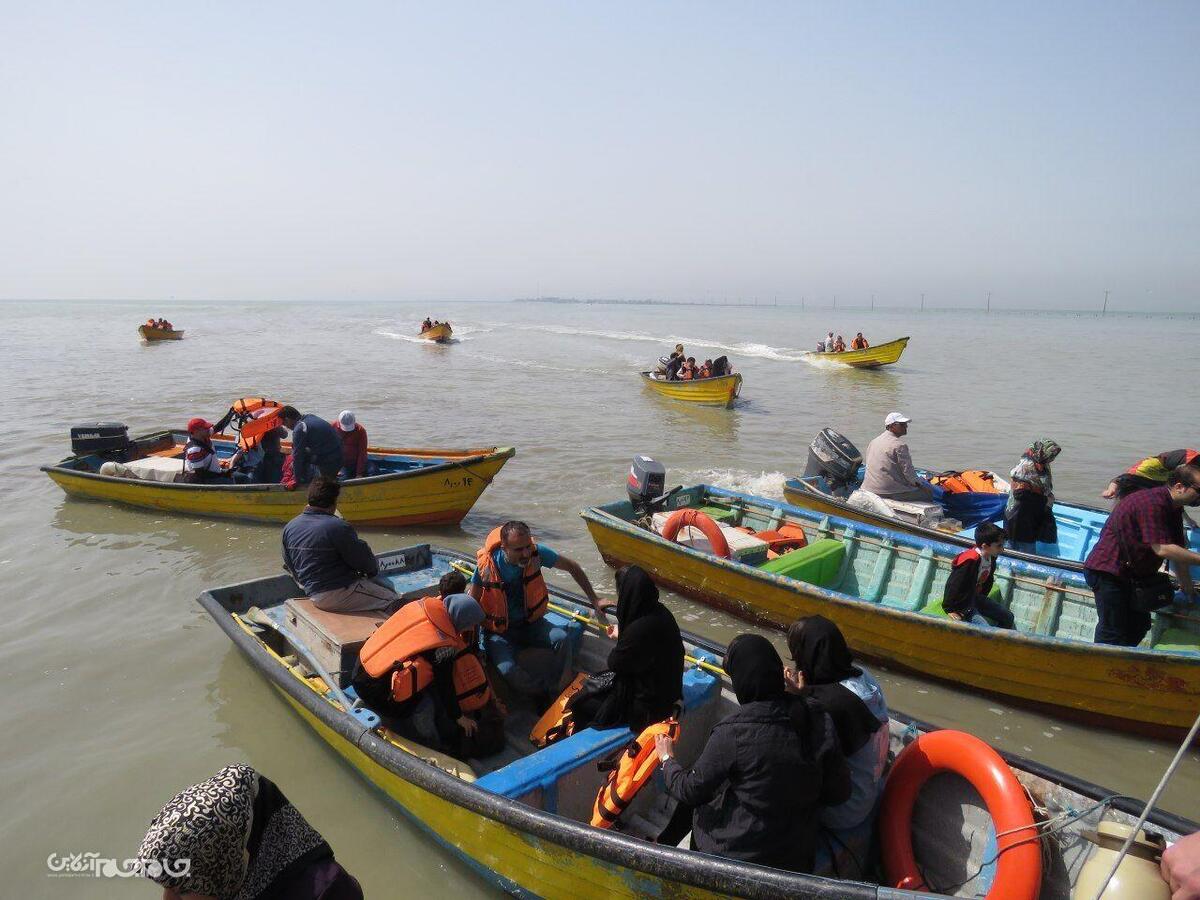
693 868
603 516
478 456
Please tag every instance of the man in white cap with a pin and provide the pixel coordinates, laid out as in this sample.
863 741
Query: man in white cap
890 472
354 446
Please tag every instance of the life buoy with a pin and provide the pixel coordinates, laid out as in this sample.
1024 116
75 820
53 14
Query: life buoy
1019 869
710 529
637 765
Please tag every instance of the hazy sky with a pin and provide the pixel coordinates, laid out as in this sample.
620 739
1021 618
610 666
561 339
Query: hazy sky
251 151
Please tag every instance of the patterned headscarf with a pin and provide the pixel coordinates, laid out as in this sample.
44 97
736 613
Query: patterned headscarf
1034 468
230 837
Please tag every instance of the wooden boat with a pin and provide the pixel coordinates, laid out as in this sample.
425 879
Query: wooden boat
160 334
520 819
1079 526
884 589
442 332
870 358
414 487
719 391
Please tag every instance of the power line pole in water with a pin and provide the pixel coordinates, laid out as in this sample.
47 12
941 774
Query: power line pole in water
922 303
872 301
1104 310
835 301
989 303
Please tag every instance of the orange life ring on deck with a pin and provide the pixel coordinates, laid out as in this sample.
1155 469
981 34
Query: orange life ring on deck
701 520
1018 870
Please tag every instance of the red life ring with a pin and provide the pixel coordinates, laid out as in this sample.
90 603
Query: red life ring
1018 870
701 520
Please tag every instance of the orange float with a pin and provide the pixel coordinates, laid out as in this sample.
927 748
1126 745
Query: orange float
1019 865
694 517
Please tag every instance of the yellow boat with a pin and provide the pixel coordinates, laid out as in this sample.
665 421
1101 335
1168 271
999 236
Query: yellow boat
871 358
520 818
884 590
720 391
442 332
160 334
414 487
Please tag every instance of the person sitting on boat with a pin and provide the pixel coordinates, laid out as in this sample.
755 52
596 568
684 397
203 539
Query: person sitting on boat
706 370
829 342
201 465
421 671
674 364
966 596
647 662
827 676
354 446
839 345
316 445
890 473
237 835
330 562
765 772
1144 530
427 324
1149 472
721 367
150 323
688 370
1029 512
508 584
859 342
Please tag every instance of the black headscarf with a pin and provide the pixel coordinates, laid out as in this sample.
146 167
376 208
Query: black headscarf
637 595
820 652
755 669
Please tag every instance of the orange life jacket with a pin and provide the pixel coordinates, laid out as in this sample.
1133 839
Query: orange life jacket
976 481
398 645
859 344
262 421
493 597
557 722
638 764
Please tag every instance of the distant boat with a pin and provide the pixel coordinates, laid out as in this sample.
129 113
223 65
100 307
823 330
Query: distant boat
160 334
719 391
871 358
441 332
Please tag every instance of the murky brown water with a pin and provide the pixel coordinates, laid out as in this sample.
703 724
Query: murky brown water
120 690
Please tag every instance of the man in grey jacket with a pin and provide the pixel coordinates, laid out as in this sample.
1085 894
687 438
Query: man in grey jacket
330 562
890 472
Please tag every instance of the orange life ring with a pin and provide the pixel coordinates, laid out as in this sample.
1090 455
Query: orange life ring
701 520
1018 870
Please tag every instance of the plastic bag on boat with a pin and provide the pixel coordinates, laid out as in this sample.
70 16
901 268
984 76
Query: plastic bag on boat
117 470
868 502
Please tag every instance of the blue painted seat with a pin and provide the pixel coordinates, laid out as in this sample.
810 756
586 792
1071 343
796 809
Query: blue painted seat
544 768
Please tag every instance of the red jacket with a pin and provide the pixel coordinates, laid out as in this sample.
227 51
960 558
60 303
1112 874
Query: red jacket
354 449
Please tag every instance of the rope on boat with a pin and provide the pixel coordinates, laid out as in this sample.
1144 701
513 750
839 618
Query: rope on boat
1162 783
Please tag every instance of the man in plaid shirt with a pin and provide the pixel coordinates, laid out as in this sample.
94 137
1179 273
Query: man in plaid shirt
1145 529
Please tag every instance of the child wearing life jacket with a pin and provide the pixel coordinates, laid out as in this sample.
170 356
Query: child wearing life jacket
688 371
966 594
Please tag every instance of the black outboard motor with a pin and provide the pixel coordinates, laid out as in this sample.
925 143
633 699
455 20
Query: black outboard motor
646 483
831 455
107 439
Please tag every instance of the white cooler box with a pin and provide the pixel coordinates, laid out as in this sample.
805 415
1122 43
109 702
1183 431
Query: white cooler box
742 547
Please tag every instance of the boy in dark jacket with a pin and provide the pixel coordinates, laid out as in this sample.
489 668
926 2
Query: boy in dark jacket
966 596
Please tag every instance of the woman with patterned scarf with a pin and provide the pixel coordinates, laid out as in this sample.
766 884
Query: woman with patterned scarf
236 837
1029 516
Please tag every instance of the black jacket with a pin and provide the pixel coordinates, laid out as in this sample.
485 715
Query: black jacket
758 785
647 663
962 587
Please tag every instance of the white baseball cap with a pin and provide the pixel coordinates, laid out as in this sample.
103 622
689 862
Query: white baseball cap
894 418
346 420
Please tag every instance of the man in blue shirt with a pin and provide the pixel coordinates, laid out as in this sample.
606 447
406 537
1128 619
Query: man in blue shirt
509 585
316 446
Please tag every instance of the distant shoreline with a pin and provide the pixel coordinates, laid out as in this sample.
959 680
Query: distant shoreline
601 302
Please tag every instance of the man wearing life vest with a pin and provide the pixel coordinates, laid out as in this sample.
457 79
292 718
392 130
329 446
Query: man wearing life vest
1149 472
421 670
508 584
966 595
200 461
859 342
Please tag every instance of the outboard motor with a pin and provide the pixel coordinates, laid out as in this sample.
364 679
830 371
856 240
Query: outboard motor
107 439
831 455
646 484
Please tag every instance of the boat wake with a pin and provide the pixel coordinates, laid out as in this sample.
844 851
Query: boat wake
761 351
821 361
461 333
762 484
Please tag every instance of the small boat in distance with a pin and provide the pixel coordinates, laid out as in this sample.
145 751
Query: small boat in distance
441 332
721 390
520 819
870 358
160 334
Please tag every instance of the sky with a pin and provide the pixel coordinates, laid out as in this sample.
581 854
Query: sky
677 151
